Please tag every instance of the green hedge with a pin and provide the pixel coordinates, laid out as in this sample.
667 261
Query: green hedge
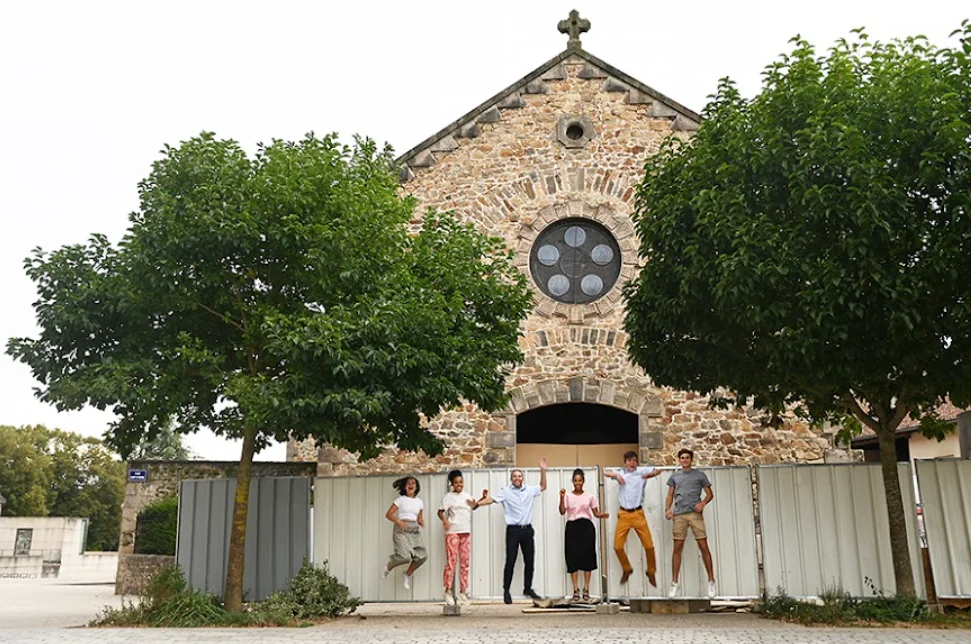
156 527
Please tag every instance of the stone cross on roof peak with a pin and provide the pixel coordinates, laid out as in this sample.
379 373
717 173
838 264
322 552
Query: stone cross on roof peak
574 25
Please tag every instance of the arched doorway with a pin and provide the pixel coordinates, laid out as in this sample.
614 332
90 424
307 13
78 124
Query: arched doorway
573 434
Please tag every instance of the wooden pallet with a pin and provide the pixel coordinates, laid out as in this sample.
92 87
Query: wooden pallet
677 606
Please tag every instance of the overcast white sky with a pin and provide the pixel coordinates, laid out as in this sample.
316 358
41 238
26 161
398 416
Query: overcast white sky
90 91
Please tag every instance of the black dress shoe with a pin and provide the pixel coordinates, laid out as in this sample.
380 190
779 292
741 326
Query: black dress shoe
506 597
529 592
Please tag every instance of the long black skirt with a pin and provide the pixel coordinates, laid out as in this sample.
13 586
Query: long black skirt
580 546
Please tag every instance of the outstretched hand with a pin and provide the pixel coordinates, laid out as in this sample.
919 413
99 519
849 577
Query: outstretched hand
563 492
542 463
485 493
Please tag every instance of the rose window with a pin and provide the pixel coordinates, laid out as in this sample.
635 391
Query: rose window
575 261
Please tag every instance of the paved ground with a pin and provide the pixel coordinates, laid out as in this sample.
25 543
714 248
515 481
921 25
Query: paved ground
39 613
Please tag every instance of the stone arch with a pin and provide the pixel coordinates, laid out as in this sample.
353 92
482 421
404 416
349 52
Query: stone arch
637 399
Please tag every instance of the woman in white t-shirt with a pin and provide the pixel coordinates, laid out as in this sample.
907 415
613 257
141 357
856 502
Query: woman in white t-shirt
456 515
407 514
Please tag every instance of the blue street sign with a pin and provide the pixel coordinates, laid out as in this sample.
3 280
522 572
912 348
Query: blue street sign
137 475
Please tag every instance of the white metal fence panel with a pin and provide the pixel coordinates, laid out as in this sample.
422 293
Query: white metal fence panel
351 533
826 526
945 491
730 523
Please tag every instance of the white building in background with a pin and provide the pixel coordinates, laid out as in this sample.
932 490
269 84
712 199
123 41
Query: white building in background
52 548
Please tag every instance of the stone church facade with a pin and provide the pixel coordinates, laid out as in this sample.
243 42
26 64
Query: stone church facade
551 164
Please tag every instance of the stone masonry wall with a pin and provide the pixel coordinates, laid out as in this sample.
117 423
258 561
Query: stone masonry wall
512 174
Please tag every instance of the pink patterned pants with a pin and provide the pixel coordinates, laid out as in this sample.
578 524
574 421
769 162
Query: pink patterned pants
457 546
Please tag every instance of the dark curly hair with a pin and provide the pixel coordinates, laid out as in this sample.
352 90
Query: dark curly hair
403 481
454 474
578 472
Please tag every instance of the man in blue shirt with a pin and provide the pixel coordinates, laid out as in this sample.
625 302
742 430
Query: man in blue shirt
631 516
517 505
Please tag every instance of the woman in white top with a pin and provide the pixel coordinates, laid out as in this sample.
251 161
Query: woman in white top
456 515
407 514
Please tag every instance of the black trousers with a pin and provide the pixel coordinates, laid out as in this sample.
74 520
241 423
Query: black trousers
519 537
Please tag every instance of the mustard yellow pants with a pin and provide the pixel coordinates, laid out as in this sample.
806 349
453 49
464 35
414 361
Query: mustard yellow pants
636 521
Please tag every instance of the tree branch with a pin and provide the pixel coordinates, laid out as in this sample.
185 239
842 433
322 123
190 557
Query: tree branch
224 318
850 403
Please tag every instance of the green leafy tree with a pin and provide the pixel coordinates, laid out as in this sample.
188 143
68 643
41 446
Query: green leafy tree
49 472
166 445
289 294
25 471
811 246
88 481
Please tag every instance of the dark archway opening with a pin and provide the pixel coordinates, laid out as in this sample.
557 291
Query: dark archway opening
577 424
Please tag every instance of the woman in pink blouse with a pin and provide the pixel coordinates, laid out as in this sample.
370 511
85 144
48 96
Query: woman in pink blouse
581 509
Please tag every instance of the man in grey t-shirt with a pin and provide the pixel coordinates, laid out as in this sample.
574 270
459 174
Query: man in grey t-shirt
684 493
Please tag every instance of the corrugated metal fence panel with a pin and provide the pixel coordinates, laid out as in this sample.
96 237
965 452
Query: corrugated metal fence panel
729 520
945 491
277 533
350 532
489 535
826 526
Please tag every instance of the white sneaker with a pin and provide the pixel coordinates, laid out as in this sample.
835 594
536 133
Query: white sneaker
385 572
449 598
464 600
675 587
712 590
407 582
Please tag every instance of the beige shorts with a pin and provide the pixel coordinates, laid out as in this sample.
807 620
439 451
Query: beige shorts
694 520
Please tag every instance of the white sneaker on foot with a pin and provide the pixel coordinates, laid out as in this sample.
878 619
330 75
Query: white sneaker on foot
407 582
712 590
385 572
463 599
675 587
449 598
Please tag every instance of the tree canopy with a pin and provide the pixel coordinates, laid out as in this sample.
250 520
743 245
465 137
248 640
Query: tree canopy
291 294
49 472
810 247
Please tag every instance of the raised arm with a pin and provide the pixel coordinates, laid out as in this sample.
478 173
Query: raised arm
485 500
542 474
562 502
654 472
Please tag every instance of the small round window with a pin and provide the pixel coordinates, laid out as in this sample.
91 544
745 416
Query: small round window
575 261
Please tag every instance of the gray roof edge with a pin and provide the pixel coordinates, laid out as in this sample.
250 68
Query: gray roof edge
636 84
471 116
525 80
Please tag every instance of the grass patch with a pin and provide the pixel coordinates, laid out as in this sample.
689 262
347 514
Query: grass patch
313 595
838 608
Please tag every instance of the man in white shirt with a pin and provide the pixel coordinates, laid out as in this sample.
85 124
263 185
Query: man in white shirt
517 505
630 494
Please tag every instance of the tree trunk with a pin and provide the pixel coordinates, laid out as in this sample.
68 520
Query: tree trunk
237 537
900 553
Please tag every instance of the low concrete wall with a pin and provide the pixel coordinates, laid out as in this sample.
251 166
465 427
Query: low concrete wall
22 567
91 567
134 571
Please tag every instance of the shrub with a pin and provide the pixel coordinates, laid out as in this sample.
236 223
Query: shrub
156 528
168 601
839 607
313 593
